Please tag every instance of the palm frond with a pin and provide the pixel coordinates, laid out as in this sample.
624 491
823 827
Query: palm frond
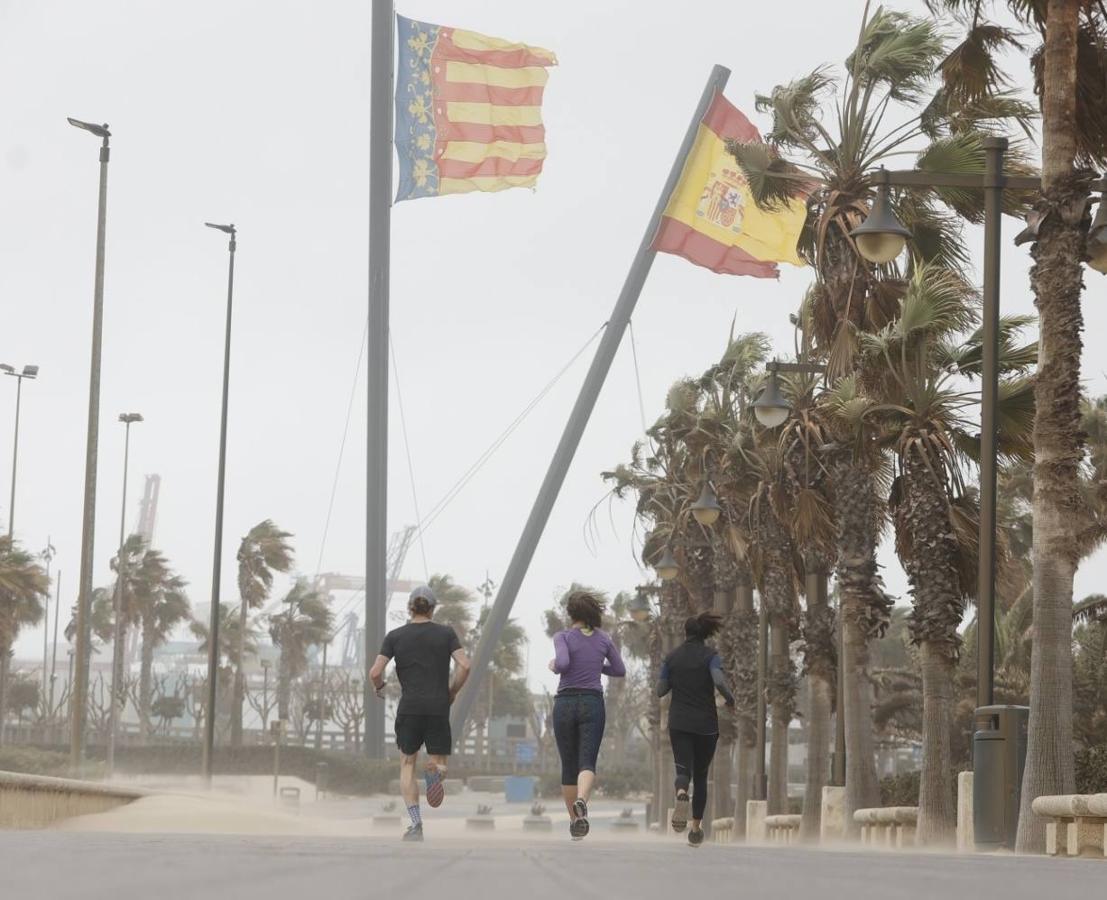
774 182
794 108
899 53
963 154
972 70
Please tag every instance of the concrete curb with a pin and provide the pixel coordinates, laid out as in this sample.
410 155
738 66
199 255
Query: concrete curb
37 801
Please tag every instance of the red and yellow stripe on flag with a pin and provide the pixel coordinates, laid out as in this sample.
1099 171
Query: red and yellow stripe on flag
468 111
711 219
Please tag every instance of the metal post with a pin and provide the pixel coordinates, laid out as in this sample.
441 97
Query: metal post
54 651
15 457
217 563
380 236
48 555
838 776
322 699
88 525
994 148
760 776
117 611
578 418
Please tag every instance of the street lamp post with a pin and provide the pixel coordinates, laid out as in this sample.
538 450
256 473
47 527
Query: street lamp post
118 636
32 373
880 238
216 572
88 524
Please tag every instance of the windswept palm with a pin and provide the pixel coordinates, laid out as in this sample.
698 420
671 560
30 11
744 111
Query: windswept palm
23 587
264 550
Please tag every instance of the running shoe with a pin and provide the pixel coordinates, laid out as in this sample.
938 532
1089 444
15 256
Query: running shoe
680 812
579 827
695 837
414 834
436 790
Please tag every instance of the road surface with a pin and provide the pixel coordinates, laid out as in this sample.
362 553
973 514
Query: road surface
74 866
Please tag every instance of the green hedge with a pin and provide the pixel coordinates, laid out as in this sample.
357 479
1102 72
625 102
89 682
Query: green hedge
32 761
1091 771
346 773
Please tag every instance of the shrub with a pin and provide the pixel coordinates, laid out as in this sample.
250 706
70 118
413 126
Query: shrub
31 761
624 781
1091 770
900 790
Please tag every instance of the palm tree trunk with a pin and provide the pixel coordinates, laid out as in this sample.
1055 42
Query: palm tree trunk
743 776
144 682
865 614
781 699
937 814
820 701
1057 282
5 665
862 787
239 701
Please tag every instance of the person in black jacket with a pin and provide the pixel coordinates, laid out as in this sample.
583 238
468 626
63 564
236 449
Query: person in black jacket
693 673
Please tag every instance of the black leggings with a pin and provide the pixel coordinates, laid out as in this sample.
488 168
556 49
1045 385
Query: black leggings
692 754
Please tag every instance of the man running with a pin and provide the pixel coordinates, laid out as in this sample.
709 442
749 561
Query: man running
422 650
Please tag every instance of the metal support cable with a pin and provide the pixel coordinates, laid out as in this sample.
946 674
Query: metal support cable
472 471
407 452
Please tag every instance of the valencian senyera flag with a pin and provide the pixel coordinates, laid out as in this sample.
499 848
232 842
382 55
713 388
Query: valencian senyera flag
468 111
711 218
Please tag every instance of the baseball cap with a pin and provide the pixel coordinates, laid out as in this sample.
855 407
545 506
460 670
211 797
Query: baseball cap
423 592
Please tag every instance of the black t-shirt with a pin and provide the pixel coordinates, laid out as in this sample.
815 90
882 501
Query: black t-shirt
422 651
688 670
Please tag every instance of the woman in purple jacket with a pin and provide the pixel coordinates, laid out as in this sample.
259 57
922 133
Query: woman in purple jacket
582 653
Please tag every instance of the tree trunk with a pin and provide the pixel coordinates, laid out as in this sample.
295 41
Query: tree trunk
1057 282
743 777
820 701
781 698
144 683
5 667
866 609
239 699
937 814
862 787
284 687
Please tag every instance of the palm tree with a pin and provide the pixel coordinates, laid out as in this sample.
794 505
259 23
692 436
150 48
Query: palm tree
23 587
891 69
264 551
1070 73
231 642
162 605
924 418
455 605
305 623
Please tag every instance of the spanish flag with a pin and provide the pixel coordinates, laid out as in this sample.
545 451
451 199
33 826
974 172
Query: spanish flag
468 111
711 219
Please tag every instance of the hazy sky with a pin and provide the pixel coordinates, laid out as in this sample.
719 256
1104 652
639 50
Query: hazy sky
256 112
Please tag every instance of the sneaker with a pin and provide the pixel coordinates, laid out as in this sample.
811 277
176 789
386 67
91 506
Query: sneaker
436 790
695 837
579 827
414 833
680 812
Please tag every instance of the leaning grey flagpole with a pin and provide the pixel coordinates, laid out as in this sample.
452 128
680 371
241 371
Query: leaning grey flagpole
578 418
380 237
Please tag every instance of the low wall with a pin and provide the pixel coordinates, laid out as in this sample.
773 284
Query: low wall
35 801
1077 824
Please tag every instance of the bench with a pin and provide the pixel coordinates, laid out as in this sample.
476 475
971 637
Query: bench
888 826
783 829
722 830
1077 824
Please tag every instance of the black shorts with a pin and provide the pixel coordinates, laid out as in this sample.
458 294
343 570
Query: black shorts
433 732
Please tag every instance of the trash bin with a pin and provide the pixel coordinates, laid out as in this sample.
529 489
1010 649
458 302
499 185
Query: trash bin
998 758
519 788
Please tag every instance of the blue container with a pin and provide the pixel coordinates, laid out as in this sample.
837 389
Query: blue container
519 788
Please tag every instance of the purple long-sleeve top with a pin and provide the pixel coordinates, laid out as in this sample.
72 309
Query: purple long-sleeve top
581 658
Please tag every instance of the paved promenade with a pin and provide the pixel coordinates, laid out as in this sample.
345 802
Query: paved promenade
100 866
